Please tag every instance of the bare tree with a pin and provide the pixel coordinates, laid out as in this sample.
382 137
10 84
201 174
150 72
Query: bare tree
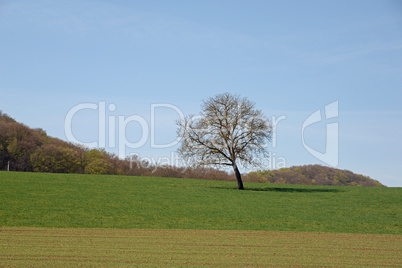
229 131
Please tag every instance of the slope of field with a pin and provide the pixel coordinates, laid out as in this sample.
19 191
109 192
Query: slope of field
95 201
47 247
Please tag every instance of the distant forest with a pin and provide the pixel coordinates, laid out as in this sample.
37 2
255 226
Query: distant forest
312 175
32 150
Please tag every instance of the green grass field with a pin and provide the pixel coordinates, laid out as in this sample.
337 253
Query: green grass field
88 220
88 201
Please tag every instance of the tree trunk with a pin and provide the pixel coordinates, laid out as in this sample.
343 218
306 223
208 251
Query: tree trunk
238 177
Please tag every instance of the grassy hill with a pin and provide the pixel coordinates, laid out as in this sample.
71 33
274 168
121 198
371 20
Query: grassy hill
110 201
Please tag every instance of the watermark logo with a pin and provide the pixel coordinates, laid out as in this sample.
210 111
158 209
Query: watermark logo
331 154
108 125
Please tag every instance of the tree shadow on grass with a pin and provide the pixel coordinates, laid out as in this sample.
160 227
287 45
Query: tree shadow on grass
284 189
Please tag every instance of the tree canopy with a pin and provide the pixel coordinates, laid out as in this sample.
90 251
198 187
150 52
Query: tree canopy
229 131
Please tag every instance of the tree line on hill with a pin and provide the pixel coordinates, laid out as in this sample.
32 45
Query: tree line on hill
312 175
32 150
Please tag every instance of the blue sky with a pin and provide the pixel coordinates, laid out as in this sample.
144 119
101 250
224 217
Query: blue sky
291 58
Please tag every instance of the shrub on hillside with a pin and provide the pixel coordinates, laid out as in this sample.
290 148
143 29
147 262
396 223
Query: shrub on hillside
99 166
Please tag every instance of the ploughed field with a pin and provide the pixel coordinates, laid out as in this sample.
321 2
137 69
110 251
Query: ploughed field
49 247
72 219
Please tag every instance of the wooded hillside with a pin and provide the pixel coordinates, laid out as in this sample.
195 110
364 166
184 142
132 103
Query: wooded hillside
312 175
32 150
